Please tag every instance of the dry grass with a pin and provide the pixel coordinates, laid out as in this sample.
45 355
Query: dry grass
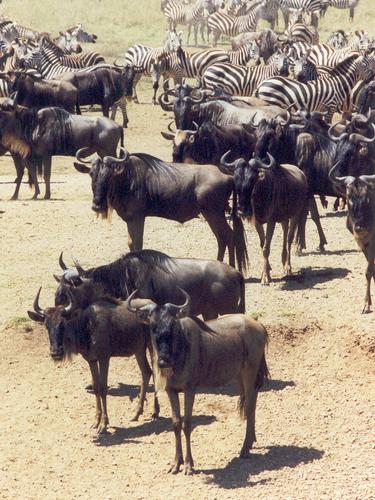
120 23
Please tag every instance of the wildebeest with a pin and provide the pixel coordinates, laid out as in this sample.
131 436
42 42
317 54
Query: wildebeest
358 189
214 287
33 92
188 353
270 193
140 185
98 332
104 86
208 143
39 134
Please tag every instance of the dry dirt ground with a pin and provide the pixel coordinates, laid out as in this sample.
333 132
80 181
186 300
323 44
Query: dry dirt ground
315 419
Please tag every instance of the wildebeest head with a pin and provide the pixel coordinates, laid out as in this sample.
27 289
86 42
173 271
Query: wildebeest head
355 146
245 176
186 105
268 136
359 192
165 327
102 171
183 141
54 319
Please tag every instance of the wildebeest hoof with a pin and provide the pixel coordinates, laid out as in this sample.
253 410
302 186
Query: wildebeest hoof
366 309
189 471
175 469
155 416
136 417
245 454
321 249
89 388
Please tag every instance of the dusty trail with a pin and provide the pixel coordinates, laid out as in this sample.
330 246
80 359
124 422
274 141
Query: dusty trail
315 419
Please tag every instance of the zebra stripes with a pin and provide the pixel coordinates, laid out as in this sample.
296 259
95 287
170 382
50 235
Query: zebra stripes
321 54
243 81
344 4
301 32
220 23
191 15
320 95
307 5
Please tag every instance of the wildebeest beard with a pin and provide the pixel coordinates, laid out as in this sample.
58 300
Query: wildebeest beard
54 128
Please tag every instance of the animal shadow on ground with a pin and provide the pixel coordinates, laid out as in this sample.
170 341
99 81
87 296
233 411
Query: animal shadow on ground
122 435
309 277
238 472
232 389
339 214
331 252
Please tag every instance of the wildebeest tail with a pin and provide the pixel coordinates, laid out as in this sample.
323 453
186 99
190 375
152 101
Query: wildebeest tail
263 373
241 305
122 138
240 248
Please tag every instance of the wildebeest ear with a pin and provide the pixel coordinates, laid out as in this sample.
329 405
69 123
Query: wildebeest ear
118 169
143 315
82 168
167 136
35 316
57 278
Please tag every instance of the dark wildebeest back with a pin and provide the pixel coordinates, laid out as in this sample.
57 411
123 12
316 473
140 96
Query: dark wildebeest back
189 354
214 287
140 185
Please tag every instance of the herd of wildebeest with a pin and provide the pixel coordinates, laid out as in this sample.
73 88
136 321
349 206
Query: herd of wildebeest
252 139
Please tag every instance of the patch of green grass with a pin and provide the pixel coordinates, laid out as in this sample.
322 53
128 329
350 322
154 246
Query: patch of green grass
19 321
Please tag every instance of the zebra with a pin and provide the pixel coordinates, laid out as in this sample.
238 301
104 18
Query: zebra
301 32
242 55
343 4
220 23
327 94
304 70
311 6
147 60
190 15
337 40
243 81
321 54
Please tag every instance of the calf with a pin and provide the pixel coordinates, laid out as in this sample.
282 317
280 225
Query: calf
188 354
98 332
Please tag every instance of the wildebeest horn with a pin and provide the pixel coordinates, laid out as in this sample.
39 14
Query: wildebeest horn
79 153
196 126
63 266
79 268
344 181
182 310
252 122
341 137
228 168
286 122
142 312
122 159
132 296
170 127
72 303
368 179
36 305
362 119
257 162
356 138
165 105
319 114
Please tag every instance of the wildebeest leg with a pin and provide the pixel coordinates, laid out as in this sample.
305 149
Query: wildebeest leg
260 231
284 252
250 395
114 107
20 168
369 274
94 368
135 233
223 234
32 169
122 105
137 77
186 426
103 387
315 217
292 231
47 162
156 401
266 277
146 375
176 422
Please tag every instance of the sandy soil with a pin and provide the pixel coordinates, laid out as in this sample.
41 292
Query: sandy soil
315 419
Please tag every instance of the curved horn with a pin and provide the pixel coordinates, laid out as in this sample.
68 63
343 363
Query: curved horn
286 122
72 303
123 159
252 122
63 266
132 296
344 181
36 305
341 137
79 153
180 310
170 127
272 162
356 138
196 128
77 265
165 105
361 119
228 168
369 179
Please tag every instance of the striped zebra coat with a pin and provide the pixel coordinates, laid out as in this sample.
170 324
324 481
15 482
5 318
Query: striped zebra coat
320 95
220 23
343 4
178 13
240 80
321 54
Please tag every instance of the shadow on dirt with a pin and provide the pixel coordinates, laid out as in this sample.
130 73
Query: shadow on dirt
120 435
238 473
132 391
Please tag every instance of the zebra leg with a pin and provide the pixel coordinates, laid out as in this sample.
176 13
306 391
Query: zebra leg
196 26
135 82
202 26
189 31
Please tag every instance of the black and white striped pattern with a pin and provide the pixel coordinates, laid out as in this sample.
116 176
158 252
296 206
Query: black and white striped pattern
301 32
239 80
321 54
320 95
344 4
244 54
220 23
178 13
307 5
